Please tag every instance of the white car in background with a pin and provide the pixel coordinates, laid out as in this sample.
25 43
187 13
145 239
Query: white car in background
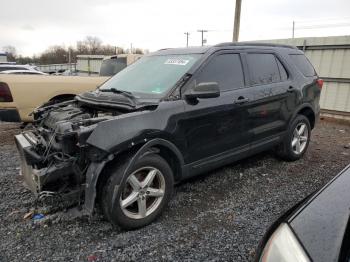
10 66
23 72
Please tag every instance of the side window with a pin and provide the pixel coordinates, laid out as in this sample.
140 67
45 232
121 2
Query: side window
226 70
303 65
263 69
283 72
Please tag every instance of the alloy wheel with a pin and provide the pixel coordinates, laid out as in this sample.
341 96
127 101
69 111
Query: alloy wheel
300 138
143 192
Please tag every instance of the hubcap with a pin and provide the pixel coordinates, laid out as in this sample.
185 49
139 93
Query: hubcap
143 192
300 138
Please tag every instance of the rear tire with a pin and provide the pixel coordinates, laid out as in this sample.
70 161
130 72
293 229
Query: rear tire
297 139
141 196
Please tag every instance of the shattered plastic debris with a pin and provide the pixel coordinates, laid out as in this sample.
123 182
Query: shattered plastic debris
38 216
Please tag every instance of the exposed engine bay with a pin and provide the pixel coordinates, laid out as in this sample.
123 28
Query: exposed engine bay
55 154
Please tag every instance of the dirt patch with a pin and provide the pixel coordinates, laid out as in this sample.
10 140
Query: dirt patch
7 131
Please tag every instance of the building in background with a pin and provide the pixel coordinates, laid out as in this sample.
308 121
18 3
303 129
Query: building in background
331 59
3 57
104 65
92 65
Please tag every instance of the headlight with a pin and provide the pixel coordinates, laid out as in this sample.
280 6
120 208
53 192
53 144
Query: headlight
283 246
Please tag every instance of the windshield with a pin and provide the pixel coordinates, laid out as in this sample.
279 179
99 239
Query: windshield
152 74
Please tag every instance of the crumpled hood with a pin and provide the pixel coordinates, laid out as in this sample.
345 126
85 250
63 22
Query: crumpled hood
110 99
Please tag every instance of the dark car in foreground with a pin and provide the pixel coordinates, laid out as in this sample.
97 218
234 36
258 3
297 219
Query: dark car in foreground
171 115
317 229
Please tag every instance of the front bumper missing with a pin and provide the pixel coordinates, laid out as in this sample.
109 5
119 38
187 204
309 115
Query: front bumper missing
36 179
27 171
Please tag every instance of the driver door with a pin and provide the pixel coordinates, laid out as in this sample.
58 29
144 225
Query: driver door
215 128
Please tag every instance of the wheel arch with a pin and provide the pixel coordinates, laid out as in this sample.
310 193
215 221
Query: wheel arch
308 112
95 177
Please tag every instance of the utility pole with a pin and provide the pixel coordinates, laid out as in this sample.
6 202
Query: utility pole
70 59
293 29
237 21
187 34
202 31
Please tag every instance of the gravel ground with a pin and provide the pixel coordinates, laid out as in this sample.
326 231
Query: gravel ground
219 216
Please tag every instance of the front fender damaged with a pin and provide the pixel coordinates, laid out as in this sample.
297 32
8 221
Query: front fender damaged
95 169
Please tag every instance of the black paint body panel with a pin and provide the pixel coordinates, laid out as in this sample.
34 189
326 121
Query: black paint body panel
215 131
321 223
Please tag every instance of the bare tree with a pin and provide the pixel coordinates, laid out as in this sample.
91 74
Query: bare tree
82 48
119 50
139 51
54 55
58 54
10 52
93 43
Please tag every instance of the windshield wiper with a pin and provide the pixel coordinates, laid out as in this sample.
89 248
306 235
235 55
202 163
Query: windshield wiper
117 91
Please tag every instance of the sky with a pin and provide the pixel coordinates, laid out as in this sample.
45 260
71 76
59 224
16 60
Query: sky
31 26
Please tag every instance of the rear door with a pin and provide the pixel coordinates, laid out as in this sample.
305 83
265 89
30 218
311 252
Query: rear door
271 95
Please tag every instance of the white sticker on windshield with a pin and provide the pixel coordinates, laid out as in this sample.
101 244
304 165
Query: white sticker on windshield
176 61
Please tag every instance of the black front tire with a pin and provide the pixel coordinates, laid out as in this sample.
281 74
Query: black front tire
285 149
116 184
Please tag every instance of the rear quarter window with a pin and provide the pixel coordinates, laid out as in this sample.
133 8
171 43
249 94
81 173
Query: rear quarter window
263 69
303 64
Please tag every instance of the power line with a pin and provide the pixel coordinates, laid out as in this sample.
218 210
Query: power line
187 34
237 21
202 31
293 29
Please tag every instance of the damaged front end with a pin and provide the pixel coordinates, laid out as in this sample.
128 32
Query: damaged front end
54 154
63 154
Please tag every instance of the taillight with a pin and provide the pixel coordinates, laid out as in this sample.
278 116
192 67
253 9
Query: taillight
5 93
319 82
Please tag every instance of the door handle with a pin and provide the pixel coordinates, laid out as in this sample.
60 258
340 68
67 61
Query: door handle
241 100
290 89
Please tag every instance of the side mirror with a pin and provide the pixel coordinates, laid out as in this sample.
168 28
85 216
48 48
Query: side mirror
204 90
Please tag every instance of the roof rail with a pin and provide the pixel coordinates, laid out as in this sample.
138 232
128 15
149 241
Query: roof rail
162 49
254 44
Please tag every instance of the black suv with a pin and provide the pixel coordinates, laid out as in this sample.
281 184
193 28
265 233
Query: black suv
171 115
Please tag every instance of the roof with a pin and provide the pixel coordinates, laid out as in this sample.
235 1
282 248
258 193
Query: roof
182 51
90 56
204 49
254 44
2 53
